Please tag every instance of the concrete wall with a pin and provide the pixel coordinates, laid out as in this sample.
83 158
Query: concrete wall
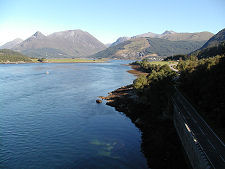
191 146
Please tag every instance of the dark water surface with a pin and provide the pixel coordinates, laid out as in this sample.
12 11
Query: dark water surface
52 120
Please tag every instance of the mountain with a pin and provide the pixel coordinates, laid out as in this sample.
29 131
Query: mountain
125 50
71 43
152 44
11 44
154 35
170 35
120 40
7 56
108 44
137 48
149 34
215 40
173 36
211 51
214 46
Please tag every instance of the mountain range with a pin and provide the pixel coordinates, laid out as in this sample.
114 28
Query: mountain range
174 36
151 44
78 43
71 43
169 35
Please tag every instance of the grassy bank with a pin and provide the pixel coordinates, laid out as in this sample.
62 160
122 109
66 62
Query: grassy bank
10 57
163 62
144 67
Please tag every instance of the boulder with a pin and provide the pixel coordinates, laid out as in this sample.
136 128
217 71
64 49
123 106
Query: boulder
98 101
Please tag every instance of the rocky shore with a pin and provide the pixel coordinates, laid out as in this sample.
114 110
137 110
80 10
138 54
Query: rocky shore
160 143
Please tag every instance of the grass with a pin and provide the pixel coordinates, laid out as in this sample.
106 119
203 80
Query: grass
163 62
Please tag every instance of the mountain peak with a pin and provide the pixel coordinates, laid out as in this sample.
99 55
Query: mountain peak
120 40
68 33
168 32
38 34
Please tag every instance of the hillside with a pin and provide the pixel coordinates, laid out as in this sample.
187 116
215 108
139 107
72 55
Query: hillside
7 56
215 40
11 44
219 49
214 46
71 43
138 48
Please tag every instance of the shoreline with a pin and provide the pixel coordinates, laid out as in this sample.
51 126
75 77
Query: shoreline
51 62
135 70
160 142
58 60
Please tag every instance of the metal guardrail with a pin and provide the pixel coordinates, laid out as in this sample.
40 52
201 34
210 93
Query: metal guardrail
196 142
212 148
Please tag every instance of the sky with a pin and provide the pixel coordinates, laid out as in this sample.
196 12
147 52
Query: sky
109 19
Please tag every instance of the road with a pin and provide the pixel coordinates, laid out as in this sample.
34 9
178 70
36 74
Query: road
212 146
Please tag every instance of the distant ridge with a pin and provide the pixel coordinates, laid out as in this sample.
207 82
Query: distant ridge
120 40
11 44
198 36
170 35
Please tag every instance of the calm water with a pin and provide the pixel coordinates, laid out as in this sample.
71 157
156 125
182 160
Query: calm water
52 120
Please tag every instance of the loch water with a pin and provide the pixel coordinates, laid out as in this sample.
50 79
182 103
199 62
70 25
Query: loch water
49 118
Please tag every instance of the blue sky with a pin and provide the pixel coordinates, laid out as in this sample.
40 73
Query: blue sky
109 19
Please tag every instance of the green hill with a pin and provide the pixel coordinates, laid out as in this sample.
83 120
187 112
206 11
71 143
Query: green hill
219 49
146 47
7 56
163 47
214 46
